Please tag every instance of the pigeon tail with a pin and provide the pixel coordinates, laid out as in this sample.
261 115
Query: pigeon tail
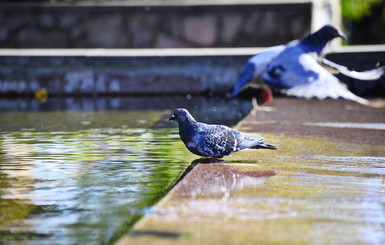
254 143
264 146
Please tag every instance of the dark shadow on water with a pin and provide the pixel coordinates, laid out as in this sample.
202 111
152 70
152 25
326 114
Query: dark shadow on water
20 236
208 109
102 103
159 234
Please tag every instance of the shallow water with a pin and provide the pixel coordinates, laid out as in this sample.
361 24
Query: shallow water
81 186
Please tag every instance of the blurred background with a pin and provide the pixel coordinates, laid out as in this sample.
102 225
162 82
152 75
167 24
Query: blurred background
181 24
132 47
86 88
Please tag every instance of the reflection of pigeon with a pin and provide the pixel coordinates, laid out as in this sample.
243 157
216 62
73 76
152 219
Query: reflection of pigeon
213 140
292 69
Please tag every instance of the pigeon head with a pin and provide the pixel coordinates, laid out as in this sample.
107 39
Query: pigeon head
181 115
317 41
329 32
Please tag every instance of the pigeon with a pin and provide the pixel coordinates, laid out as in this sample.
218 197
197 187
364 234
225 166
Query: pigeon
293 69
211 140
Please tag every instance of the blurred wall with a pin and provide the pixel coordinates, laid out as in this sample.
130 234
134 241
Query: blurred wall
66 26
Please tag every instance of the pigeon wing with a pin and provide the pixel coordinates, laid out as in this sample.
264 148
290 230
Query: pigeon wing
298 74
285 71
251 73
215 140
245 77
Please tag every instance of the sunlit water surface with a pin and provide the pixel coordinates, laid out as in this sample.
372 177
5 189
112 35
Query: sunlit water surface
82 177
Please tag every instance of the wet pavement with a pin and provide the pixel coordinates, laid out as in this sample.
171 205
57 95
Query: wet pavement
324 185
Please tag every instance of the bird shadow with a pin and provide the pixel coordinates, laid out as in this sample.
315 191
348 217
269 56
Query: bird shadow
206 160
154 233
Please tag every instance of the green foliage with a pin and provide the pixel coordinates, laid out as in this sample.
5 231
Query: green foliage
357 9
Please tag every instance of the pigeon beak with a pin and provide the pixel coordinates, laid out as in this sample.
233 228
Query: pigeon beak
342 35
172 118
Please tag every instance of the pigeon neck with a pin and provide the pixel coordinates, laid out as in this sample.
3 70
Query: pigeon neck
187 129
190 123
314 43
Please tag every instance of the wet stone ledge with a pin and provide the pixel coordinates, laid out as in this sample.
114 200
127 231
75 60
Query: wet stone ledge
161 75
95 76
72 26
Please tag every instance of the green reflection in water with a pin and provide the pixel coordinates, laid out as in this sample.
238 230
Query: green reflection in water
83 186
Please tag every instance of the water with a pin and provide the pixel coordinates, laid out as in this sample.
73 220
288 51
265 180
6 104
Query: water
83 170
82 186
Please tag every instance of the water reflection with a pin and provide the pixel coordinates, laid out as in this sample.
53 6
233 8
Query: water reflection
80 187
211 109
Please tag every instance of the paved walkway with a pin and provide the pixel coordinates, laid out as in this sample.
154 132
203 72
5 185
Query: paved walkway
325 184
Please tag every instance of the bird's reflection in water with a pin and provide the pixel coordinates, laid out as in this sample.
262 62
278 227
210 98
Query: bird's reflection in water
202 160
216 178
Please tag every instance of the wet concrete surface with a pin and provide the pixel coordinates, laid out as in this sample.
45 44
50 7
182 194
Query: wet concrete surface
337 120
324 185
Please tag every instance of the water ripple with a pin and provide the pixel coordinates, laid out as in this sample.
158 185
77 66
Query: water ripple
76 187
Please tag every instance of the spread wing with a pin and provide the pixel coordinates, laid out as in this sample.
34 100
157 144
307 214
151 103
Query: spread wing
299 74
252 72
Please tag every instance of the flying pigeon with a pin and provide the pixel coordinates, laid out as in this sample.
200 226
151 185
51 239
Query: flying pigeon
293 69
211 140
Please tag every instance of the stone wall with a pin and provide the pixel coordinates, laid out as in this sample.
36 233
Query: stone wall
66 26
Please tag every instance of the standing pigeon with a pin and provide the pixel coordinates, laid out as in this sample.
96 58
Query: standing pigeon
292 69
210 140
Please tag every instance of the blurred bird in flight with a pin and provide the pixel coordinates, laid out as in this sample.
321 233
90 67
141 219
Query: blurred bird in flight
293 69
